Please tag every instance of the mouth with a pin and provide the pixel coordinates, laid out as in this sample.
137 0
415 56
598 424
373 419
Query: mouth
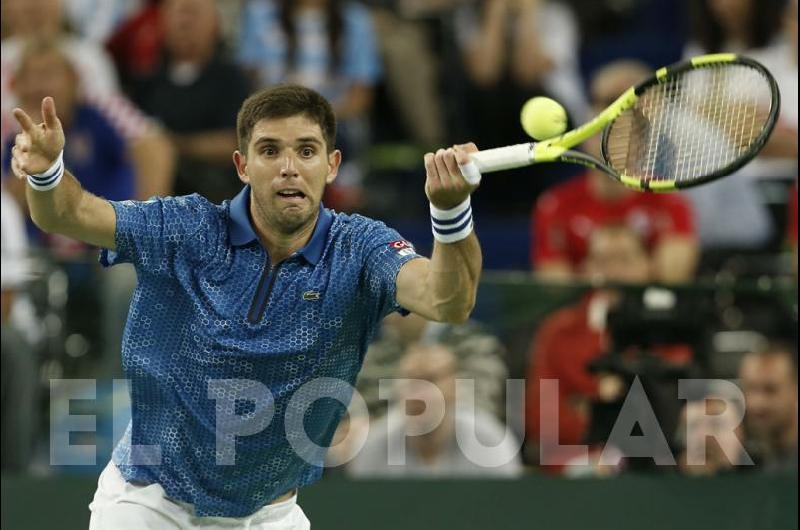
291 195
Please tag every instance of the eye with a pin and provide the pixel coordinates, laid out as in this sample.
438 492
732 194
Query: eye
307 151
269 150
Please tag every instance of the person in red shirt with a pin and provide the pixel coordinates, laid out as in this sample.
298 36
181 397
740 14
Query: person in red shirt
568 340
565 216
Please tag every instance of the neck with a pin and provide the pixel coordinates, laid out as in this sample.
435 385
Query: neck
281 245
197 55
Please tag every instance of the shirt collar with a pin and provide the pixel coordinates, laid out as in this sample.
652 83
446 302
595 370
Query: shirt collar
241 231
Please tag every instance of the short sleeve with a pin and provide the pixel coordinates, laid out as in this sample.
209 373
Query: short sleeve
163 234
385 253
361 61
681 216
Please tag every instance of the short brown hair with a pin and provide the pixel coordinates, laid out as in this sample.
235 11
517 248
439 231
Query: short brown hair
285 101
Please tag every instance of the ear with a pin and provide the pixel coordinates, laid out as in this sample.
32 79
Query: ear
334 161
240 162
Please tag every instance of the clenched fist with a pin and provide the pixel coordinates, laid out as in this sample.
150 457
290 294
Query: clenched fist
445 185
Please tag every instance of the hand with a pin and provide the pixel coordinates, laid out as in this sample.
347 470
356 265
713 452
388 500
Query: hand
37 147
444 184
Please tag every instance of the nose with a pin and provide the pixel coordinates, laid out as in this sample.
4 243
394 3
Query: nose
288 168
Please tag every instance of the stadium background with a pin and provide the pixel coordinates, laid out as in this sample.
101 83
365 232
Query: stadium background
426 80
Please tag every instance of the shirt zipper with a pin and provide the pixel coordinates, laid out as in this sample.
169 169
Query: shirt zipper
257 310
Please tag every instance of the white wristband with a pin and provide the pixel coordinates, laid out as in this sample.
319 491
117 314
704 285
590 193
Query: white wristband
452 225
49 179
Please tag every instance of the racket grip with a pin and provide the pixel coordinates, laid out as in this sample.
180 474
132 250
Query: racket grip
471 172
503 157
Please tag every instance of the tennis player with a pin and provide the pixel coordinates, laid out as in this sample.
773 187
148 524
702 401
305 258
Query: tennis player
240 306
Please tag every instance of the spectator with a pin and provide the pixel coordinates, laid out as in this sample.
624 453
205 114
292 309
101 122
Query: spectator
327 45
119 155
19 368
406 46
769 382
25 19
568 340
513 50
137 42
754 29
540 57
480 357
437 452
651 31
713 423
195 71
565 216
734 26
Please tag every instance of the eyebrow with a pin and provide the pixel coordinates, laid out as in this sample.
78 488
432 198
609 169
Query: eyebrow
301 140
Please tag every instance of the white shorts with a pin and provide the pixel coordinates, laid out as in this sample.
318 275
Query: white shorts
119 505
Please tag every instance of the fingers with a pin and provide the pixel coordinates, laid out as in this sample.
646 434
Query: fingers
462 152
441 166
49 113
24 121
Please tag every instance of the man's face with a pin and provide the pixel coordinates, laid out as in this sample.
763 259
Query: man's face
190 26
716 419
770 393
427 385
617 256
287 166
48 74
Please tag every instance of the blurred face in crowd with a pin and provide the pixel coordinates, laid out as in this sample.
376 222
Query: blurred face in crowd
732 15
287 166
770 388
48 73
191 28
715 423
617 255
607 85
26 18
433 364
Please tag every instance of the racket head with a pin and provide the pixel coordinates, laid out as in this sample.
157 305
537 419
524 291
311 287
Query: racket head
691 123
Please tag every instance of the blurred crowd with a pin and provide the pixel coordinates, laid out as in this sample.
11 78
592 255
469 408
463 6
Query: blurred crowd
148 91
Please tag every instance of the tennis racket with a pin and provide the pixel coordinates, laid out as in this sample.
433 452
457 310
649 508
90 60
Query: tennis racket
691 123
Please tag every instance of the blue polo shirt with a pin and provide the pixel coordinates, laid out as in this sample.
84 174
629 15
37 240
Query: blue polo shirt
213 323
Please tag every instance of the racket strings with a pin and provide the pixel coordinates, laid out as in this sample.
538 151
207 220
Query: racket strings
691 125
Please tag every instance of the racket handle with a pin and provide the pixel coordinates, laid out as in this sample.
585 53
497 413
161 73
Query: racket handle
503 158
471 172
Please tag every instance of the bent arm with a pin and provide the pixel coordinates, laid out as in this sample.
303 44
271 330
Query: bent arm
444 287
70 210
65 208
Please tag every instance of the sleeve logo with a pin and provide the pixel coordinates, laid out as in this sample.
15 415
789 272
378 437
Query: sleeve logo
402 247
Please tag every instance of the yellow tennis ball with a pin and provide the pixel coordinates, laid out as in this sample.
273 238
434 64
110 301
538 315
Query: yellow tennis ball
543 118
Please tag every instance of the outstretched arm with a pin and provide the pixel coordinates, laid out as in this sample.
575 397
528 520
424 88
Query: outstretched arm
67 208
444 287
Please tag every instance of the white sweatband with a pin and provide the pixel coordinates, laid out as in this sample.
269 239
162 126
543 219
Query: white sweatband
452 225
50 178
